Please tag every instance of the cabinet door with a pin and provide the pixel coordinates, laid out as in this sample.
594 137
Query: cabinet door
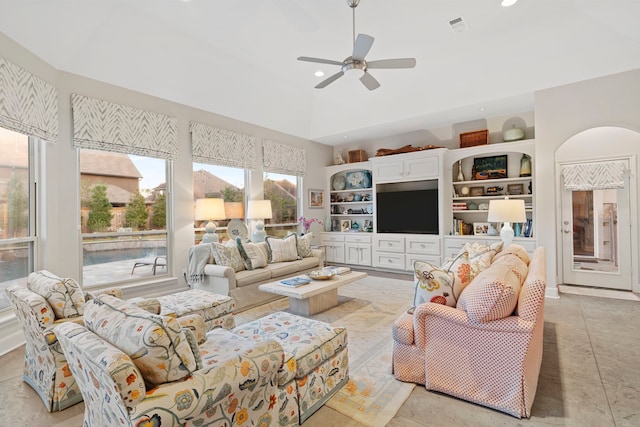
389 243
335 252
393 260
352 253
365 255
421 168
388 170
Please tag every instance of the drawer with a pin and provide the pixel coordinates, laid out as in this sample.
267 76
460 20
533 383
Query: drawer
423 245
431 259
389 243
330 237
389 260
357 238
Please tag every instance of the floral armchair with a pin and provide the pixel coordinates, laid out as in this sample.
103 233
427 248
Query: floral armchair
47 301
160 375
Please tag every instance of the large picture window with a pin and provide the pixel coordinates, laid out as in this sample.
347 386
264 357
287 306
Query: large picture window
17 213
227 183
124 216
282 190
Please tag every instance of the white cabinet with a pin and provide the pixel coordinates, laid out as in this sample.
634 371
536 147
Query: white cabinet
422 248
407 167
388 251
357 249
351 196
453 244
333 244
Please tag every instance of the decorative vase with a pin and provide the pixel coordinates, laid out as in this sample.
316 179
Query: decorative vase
525 165
513 134
339 160
460 174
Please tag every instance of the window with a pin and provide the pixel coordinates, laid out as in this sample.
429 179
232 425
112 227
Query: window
124 216
220 182
17 213
282 190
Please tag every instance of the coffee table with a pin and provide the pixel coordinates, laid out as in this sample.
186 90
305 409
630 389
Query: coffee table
312 298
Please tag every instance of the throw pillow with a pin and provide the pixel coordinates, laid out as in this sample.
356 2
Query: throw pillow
253 256
63 295
517 250
492 295
461 269
432 284
156 344
515 263
304 245
228 256
480 256
281 250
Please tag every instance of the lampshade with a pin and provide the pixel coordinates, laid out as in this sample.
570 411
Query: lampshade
259 209
234 210
210 208
506 211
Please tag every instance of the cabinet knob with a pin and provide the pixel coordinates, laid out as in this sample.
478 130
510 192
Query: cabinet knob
388 243
422 246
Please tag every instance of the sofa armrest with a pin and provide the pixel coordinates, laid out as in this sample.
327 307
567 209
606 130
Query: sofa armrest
319 253
427 314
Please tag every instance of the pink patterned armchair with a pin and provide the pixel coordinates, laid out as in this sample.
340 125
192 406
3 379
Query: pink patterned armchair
492 360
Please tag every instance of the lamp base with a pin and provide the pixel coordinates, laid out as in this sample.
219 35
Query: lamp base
210 236
259 234
506 234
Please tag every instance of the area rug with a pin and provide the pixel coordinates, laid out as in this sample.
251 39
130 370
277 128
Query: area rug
367 309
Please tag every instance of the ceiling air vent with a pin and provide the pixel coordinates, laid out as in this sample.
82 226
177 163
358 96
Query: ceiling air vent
458 25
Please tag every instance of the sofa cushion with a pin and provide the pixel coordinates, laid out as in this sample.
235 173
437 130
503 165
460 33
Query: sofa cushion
514 249
515 263
249 277
254 257
304 245
63 295
492 295
281 250
228 256
156 344
280 269
307 263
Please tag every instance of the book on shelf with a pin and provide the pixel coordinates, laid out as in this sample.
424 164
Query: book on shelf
294 282
338 270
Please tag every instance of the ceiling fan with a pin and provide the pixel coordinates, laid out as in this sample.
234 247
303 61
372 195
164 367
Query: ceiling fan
361 46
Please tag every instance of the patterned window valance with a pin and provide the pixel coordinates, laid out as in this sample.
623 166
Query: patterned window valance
594 176
222 147
281 158
102 125
28 104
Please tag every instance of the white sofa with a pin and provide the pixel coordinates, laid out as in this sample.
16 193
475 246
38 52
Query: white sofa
242 285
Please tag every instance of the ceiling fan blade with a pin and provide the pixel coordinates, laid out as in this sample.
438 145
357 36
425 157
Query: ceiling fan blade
319 60
392 63
330 80
361 47
369 81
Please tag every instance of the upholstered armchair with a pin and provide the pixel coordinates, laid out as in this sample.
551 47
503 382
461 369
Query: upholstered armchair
47 301
491 361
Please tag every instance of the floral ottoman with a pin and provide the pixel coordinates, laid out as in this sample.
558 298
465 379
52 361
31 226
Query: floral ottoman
316 364
216 310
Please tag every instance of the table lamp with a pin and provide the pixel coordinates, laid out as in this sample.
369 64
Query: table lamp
260 210
211 209
506 211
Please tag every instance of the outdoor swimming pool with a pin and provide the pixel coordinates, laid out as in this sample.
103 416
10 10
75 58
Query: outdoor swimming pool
101 257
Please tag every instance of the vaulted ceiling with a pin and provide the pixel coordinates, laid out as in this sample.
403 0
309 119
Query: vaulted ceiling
237 58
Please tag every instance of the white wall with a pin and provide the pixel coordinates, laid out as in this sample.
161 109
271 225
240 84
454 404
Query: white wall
60 241
563 112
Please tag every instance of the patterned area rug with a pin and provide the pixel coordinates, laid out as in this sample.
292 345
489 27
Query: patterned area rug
367 309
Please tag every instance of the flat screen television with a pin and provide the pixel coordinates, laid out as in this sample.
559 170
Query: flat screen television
408 212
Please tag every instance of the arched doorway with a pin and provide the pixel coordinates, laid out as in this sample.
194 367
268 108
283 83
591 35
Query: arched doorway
595 168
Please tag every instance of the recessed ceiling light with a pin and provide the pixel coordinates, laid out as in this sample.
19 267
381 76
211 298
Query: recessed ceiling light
319 73
481 108
345 137
507 3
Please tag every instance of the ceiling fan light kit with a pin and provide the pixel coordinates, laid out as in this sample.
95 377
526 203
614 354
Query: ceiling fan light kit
361 46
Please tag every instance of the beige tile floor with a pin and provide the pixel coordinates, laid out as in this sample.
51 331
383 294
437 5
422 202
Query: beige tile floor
590 376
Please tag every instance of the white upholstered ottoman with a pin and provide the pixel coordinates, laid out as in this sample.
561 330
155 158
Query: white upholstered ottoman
216 310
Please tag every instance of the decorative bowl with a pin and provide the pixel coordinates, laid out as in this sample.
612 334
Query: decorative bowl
321 274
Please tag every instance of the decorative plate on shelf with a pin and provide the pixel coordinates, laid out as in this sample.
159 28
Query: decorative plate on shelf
321 274
339 182
237 228
358 179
